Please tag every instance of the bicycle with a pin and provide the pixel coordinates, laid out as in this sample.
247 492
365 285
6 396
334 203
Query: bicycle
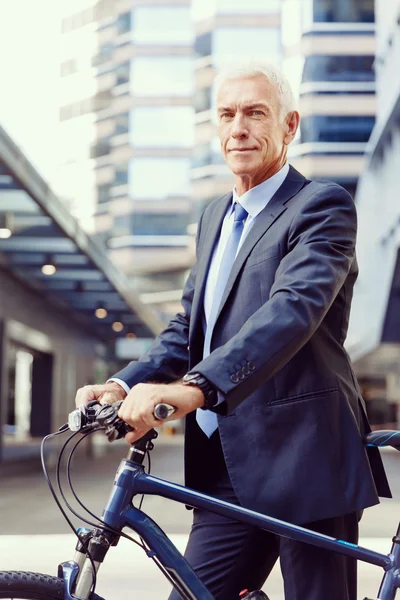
77 578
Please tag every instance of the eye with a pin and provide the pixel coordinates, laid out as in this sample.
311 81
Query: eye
257 113
226 115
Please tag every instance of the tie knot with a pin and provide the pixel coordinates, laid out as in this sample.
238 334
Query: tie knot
240 212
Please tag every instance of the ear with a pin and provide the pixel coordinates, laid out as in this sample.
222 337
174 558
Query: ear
291 125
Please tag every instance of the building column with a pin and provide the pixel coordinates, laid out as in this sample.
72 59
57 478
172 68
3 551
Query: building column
2 386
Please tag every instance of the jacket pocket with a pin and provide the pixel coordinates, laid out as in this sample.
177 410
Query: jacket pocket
303 397
263 254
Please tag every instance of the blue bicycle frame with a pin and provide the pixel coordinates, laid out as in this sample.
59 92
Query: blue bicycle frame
131 480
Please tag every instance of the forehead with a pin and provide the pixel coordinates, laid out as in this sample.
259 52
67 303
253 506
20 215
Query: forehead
243 91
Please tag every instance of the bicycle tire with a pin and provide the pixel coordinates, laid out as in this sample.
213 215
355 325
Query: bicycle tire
24 585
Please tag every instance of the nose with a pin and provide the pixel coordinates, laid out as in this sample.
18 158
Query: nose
239 127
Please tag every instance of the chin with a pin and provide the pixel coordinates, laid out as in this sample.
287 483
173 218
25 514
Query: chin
241 167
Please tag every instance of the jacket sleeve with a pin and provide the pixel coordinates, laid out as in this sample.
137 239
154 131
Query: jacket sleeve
167 358
321 250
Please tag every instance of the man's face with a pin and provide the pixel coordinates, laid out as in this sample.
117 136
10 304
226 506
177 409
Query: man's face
251 132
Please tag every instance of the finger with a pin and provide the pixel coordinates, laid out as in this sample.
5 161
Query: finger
134 436
84 396
110 397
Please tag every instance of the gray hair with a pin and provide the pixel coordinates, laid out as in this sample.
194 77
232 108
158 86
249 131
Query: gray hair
250 68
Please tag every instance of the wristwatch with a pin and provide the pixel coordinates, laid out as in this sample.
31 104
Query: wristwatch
209 391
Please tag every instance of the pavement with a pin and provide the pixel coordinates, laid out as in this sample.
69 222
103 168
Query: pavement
34 536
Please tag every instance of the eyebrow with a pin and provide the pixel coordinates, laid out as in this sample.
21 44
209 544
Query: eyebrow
246 107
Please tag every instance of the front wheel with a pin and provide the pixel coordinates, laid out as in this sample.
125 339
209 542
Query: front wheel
19 585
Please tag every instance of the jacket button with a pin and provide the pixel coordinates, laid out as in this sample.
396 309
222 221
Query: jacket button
245 371
234 378
240 375
251 366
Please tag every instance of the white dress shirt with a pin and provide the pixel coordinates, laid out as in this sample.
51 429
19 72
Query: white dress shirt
253 201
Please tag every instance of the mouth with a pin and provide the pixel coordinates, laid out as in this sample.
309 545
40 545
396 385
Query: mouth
242 150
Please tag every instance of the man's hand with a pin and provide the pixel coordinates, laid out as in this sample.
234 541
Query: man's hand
138 407
106 393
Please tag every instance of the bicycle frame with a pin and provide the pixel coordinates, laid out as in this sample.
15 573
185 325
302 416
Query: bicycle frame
131 480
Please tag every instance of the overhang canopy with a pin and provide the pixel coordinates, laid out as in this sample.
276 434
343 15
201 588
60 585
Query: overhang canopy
80 278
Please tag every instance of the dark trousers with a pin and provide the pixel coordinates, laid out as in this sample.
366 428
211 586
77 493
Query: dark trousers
229 556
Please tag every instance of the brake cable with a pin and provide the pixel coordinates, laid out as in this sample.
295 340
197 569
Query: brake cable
58 503
107 527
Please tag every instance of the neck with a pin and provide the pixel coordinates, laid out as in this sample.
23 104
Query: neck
244 183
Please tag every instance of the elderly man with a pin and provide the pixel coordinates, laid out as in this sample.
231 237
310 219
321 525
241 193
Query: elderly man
256 360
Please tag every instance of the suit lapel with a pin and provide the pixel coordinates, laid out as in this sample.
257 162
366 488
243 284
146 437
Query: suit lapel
211 229
275 207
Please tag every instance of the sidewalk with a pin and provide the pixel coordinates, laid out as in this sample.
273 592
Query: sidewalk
129 573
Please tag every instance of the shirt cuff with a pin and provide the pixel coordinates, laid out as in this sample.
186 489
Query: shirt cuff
124 386
221 399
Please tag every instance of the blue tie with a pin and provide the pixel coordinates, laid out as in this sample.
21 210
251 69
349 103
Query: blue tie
207 419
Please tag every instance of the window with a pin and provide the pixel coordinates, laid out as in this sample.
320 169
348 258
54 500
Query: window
336 129
163 25
76 109
202 99
162 75
121 123
160 224
124 23
344 11
338 68
122 72
101 148
104 54
202 45
162 126
249 6
232 43
150 224
159 178
121 175
103 193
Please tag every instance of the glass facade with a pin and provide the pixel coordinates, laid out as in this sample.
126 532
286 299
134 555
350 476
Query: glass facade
124 22
162 75
238 43
202 99
249 7
160 224
164 126
121 123
344 11
338 68
122 72
336 128
150 224
202 46
159 178
162 25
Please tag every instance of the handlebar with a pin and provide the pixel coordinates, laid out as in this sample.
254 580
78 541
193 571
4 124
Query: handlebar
98 416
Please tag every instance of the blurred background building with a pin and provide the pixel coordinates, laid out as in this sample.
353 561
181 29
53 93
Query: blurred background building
137 159
126 95
329 48
225 32
374 335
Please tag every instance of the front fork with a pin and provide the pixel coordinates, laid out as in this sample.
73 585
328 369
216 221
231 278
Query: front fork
78 573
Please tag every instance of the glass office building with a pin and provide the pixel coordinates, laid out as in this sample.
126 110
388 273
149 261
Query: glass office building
329 48
374 335
225 31
136 62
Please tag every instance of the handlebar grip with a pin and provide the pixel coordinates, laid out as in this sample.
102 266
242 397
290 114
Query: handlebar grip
163 411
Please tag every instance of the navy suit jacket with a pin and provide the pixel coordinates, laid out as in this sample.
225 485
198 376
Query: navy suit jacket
292 422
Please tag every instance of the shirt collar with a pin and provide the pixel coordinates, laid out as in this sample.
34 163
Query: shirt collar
256 199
